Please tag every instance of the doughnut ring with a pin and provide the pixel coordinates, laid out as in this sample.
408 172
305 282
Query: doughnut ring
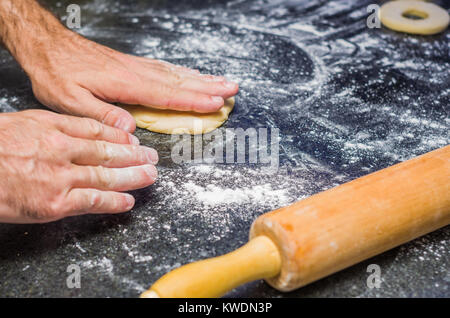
433 20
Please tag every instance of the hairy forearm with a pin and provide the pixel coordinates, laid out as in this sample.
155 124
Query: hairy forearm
25 27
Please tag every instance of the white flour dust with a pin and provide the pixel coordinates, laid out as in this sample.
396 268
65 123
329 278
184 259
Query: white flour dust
213 194
244 185
106 267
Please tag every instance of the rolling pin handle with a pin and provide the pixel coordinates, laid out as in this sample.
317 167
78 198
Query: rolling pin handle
214 277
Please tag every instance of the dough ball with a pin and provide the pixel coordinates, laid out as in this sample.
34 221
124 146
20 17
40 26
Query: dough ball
175 122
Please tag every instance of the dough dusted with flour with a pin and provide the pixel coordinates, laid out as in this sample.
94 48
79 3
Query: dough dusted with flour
175 122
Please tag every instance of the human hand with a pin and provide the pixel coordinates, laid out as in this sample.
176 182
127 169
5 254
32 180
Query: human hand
53 166
73 75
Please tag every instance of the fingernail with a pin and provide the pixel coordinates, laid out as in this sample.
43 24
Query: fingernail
152 155
130 201
119 123
151 171
129 126
217 99
134 140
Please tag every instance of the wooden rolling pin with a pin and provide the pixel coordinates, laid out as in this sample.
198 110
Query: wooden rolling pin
329 231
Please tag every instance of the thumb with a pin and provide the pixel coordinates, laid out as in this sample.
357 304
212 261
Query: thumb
108 114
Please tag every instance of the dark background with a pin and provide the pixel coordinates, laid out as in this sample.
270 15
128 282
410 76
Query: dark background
348 100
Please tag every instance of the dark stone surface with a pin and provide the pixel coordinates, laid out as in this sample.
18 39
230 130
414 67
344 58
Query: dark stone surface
348 101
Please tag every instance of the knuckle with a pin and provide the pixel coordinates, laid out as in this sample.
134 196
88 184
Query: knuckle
56 208
95 200
103 177
177 80
95 128
109 116
104 152
67 99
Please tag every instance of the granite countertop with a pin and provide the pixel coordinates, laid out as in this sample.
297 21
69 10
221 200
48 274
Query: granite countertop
347 100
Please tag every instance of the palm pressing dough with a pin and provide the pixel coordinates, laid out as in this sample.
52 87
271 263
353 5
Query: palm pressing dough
433 20
175 122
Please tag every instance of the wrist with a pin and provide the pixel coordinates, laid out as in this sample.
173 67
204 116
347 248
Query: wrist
26 29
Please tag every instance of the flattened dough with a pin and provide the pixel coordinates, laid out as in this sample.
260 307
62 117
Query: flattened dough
174 122
434 18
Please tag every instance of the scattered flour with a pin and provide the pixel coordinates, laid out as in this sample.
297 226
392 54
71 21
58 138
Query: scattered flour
213 195
104 264
5 104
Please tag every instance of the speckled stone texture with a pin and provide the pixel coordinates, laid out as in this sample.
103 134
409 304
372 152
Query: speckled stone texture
348 100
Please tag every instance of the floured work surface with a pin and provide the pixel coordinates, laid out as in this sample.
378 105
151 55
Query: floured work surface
347 101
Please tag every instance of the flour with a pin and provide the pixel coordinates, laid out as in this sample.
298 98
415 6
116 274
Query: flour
204 188
106 267
104 264
6 104
215 195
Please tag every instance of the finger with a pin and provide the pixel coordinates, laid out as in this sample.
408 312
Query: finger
163 65
177 67
84 201
169 67
114 179
87 128
106 154
91 106
158 95
183 81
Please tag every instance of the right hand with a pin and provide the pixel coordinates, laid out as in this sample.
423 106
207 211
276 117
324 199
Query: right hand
53 166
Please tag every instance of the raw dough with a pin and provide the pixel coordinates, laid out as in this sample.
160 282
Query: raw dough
435 19
178 122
